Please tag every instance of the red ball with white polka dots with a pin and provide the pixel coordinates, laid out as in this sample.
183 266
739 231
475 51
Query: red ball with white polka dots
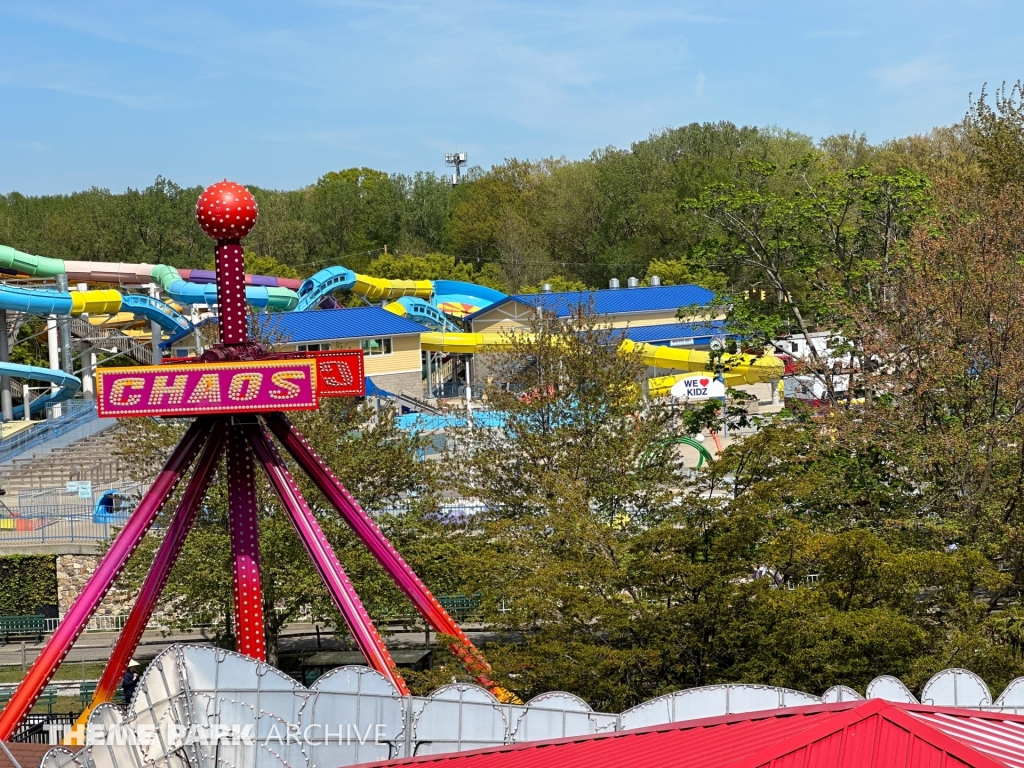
226 211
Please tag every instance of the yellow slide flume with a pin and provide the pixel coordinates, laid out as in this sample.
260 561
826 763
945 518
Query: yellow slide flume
740 369
377 288
95 302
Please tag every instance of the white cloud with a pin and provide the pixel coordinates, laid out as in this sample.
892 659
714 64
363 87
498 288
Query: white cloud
913 72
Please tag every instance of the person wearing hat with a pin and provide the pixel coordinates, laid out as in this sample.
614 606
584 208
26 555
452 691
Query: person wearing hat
129 681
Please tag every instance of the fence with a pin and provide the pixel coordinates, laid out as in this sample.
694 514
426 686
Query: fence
38 729
102 623
54 514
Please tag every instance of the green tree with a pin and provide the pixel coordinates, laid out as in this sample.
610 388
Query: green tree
996 129
375 460
813 244
430 266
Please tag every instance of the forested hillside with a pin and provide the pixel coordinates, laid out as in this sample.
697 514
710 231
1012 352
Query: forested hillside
613 214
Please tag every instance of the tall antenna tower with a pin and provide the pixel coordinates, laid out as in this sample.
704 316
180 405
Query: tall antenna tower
457 160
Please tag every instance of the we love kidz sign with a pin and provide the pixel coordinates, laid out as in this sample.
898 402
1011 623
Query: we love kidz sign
699 387
191 390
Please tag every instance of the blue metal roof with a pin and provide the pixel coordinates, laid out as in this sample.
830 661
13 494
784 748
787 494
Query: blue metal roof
613 301
330 324
652 334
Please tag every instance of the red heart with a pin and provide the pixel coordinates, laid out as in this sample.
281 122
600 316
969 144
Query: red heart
704 382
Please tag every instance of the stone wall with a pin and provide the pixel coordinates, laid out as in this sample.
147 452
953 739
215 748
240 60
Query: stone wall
73 571
410 383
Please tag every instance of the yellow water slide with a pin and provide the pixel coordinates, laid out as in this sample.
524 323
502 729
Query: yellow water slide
376 288
95 302
740 369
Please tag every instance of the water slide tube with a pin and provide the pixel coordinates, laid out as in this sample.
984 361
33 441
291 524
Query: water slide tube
68 385
170 280
460 299
198 286
740 369
422 311
325 282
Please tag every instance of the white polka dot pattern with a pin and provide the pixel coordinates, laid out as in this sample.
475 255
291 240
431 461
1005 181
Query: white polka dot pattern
227 212
245 546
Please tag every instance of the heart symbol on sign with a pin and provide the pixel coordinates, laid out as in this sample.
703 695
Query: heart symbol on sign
704 382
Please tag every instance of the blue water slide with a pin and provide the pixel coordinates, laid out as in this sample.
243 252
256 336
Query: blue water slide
470 293
36 302
461 298
185 292
424 312
45 302
325 282
153 309
68 384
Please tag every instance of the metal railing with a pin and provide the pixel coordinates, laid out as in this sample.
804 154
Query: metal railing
54 515
100 624
112 337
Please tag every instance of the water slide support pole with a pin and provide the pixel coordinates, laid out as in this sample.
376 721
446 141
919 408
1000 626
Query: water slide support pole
88 371
6 405
156 332
64 331
77 618
53 348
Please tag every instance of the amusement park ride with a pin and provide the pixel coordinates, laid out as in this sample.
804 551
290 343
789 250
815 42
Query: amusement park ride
237 392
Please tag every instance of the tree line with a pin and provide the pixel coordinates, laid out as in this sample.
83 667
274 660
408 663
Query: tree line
657 207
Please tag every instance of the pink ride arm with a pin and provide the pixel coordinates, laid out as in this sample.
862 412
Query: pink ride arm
325 559
382 549
74 623
156 579
245 546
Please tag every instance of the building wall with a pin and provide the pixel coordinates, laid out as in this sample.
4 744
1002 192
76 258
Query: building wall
410 383
404 358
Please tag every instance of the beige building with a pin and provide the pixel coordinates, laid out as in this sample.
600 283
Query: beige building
390 344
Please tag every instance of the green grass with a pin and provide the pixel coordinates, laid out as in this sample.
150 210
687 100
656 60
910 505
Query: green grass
70 671
63 705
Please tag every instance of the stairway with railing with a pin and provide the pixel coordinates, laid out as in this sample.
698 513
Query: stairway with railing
65 423
111 337
87 458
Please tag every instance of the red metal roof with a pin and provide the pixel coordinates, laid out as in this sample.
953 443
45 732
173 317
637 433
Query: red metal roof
862 734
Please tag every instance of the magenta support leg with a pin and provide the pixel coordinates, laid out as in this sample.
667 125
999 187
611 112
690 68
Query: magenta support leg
325 559
389 558
74 623
245 547
156 579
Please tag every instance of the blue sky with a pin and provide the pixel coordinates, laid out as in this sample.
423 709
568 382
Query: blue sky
111 94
